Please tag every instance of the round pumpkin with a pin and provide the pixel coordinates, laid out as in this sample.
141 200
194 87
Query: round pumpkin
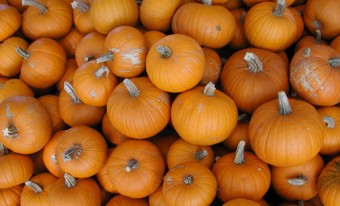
10 21
213 66
14 87
70 41
111 134
152 37
71 66
157 198
121 200
241 201
11 196
81 15
239 40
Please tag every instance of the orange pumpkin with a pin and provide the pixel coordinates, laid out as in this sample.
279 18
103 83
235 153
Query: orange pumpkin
81 15
175 51
46 18
282 129
157 198
252 68
81 151
14 87
36 190
10 60
335 44
25 124
135 99
183 182
212 115
313 74
213 66
233 4
297 182
251 3
310 39
241 201
17 4
152 37
11 196
111 134
121 200
136 172
210 25
71 66
239 40
44 63
70 41
10 21
241 174
109 14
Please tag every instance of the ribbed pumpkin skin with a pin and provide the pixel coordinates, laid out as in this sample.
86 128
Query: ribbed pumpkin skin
11 196
121 200
10 21
241 201
14 87
192 19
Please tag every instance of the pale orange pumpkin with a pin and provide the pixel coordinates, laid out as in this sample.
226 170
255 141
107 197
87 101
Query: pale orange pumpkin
10 21
81 15
70 41
71 66
14 87
11 195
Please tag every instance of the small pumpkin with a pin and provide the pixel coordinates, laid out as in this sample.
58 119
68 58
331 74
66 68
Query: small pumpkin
111 134
157 198
81 15
241 201
239 40
14 87
121 200
11 196
10 21
310 39
213 66
71 66
335 43
152 37
70 41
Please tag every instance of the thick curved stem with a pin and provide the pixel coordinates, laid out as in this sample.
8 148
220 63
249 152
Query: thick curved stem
298 181
280 8
80 5
253 61
72 152
207 2
42 8
164 51
209 89
330 122
131 87
188 179
34 186
201 154
101 71
132 164
22 53
11 131
284 105
70 91
104 58
335 62
239 154
70 181
318 37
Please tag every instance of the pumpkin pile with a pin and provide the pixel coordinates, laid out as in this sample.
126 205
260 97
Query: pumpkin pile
169 103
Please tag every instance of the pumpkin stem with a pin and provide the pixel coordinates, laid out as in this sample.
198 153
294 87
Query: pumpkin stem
100 72
239 154
335 62
317 24
70 181
244 117
54 158
207 2
330 122
131 87
188 179
104 58
298 181
280 8
253 61
22 53
209 89
139 2
11 131
132 164
3 150
164 51
243 17
88 58
284 105
72 152
42 8
34 186
318 37
80 5
199 155
70 91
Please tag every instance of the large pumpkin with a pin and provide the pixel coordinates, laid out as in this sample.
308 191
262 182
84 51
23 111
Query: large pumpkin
286 132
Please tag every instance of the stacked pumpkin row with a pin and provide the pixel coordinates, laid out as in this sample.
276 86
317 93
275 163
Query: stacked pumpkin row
91 88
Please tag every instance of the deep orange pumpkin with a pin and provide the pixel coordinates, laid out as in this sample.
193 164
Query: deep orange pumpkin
241 201
213 66
152 37
111 134
239 40
335 44
121 200
81 15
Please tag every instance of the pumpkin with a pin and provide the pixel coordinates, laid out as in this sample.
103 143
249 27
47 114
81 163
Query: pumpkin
328 183
10 21
251 68
71 66
233 4
44 63
46 18
131 104
175 51
10 196
183 182
239 40
335 44
157 198
321 15
282 129
36 189
93 83
81 15
126 56
111 134
10 60
210 25
15 169
271 26
109 14
136 167
213 66
331 118
25 124
297 182
157 15
152 37
314 73
181 151
17 4
211 113
121 200
90 47
38 163
70 41
241 201
74 112
310 39
241 174
81 151
14 87
70 191
49 155
251 3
